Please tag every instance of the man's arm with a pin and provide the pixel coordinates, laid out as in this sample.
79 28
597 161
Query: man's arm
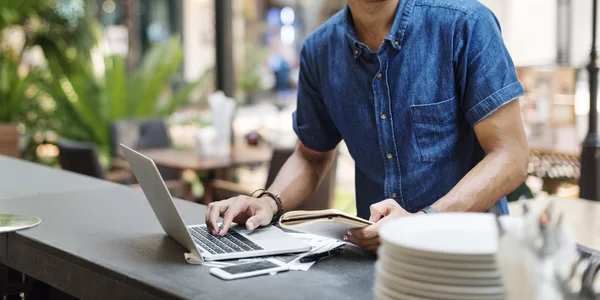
298 178
503 169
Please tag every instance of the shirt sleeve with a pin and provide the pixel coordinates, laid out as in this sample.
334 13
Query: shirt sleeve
485 74
311 120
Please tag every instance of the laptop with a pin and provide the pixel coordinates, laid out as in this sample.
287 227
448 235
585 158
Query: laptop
237 243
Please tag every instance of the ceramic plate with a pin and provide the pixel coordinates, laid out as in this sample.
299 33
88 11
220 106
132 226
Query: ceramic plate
400 288
439 272
438 263
440 288
441 235
383 293
9 223
442 279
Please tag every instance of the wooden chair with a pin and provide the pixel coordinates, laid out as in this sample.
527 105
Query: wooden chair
322 197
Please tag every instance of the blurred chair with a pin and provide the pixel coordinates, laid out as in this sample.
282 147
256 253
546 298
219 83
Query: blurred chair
154 134
147 134
82 158
322 198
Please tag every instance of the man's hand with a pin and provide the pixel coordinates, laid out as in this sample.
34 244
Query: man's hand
251 211
367 237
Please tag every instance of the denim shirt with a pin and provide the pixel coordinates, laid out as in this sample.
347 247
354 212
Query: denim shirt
407 110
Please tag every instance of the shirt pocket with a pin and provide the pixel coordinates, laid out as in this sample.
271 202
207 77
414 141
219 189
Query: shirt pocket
435 129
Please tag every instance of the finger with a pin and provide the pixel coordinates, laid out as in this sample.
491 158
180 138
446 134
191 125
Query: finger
382 209
241 218
212 216
372 247
363 243
365 232
349 238
207 218
232 211
262 218
376 214
371 242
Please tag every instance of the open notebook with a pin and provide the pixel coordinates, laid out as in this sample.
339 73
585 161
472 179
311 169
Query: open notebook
330 223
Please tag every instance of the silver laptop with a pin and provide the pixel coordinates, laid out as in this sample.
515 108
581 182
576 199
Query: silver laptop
237 243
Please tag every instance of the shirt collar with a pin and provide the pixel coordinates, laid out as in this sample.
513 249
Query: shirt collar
394 36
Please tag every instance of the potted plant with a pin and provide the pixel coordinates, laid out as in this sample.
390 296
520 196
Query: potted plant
17 99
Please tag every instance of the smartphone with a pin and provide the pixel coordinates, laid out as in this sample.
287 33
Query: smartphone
250 269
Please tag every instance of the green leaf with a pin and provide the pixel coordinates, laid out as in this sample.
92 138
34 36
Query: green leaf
154 75
115 88
181 97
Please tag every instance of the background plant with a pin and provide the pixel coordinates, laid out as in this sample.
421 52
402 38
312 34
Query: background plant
67 96
88 104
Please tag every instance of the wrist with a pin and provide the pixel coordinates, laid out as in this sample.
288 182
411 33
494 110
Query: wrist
276 206
271 203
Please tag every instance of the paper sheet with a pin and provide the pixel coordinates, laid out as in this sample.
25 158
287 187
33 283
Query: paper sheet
318 244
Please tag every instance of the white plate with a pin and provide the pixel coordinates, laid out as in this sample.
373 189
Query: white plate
442 279
387 277
10 223
399 289
447 234
438 256
438 263
429 271
383 293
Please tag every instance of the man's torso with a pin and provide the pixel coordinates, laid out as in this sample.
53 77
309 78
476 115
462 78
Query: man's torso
398 108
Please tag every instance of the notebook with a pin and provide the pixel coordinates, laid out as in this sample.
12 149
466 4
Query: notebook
330 223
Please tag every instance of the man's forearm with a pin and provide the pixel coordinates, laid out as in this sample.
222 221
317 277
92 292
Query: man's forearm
497 175
300 176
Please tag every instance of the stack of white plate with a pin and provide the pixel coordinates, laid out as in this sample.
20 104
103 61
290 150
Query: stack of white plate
439 256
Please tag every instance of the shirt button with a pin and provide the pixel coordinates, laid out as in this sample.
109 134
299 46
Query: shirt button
394 195
396 43
355 52
378 75
383 116
389 155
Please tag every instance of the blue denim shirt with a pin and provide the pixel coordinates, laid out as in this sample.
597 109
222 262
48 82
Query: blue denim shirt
406 110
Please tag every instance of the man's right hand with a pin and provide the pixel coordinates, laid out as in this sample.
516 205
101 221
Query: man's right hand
247 210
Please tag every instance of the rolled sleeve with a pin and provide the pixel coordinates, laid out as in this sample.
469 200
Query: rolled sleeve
311 120
488 106
486 75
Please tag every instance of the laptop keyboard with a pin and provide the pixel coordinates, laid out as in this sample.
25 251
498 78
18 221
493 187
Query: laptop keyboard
230 243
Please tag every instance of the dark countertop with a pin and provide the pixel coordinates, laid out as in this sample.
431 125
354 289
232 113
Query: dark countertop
111 231
20 178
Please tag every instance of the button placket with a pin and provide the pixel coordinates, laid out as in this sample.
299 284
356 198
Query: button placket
393 182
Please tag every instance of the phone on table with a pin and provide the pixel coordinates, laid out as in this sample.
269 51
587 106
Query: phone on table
250 269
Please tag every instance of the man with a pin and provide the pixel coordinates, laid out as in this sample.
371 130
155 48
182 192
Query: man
424 94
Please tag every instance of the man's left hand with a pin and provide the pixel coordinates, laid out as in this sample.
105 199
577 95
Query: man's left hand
367 237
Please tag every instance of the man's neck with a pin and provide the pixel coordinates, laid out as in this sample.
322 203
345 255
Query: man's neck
373 20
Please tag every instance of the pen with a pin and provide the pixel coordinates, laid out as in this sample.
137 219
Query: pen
317 256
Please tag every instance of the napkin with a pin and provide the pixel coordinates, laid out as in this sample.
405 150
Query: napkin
222 110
